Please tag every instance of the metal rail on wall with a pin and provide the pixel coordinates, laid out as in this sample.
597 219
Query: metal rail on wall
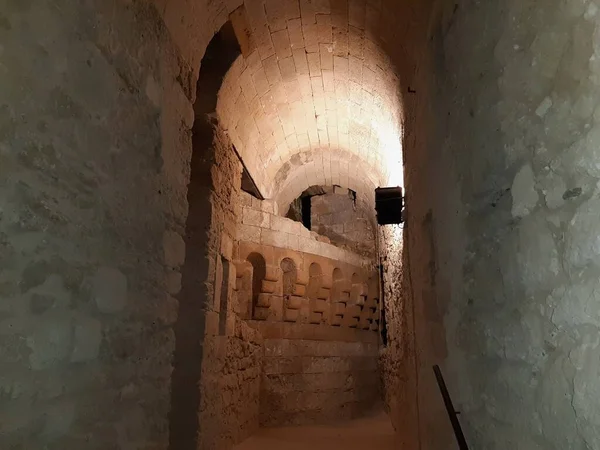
452 413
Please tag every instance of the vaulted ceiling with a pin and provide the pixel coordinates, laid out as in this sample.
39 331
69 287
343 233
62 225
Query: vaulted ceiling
313 99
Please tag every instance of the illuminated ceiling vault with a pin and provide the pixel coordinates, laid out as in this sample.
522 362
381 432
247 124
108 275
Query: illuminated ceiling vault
313 99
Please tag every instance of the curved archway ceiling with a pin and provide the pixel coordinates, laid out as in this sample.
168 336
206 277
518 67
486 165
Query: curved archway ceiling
314 80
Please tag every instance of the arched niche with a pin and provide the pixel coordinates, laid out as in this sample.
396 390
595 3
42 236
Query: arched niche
259 270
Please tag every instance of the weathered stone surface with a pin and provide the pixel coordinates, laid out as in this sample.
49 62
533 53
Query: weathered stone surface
586 391
536 243
583 236
86 339
109 290
515 276
523 192
95 157
174 249
50 342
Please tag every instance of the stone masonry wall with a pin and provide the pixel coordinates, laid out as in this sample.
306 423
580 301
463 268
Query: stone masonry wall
89 225
347 224
231 353
261 224
320 321
95 156
523 326
317 382
502 223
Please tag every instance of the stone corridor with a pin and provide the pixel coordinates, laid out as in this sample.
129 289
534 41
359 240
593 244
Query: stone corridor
192 253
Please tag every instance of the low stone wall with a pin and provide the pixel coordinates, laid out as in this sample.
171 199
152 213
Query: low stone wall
311 381
319 319
348 223
261 224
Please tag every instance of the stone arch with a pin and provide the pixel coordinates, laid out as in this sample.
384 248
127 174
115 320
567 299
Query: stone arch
315 78
194 295
306 169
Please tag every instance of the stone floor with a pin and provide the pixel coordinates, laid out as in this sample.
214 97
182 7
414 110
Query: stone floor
374 432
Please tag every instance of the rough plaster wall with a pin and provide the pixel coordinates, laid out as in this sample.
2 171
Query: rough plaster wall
316 382
84 316
337 216
95 165
506 234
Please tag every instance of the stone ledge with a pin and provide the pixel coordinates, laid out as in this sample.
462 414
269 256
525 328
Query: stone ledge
282 330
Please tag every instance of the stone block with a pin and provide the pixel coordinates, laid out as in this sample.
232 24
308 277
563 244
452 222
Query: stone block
295 302
274 238
269 287
314 64
272 273
283 224
337 321
249 233
351 322
272 71
315 317
255 218
276 14
323 293
263 300
339 309
293 242
261 313
326 56
300 289
281 42
261 83
295 34
311 38
291 315
320 305
353 311
268 206
324 28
